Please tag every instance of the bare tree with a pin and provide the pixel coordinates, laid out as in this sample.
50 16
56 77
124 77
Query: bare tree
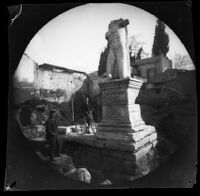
136 47
181 61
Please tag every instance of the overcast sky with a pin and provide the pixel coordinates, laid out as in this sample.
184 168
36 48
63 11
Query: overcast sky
76 38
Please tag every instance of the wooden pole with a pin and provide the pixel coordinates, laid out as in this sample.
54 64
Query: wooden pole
73 106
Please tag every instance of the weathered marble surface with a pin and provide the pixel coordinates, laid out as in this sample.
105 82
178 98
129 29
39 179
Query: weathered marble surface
121 117
118 63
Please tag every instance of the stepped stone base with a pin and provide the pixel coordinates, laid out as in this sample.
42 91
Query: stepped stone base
111 157
123 143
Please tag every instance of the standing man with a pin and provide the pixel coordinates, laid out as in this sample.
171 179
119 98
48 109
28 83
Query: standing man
52 135
86 110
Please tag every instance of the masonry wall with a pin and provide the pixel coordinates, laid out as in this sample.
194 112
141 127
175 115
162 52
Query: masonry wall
143 69
166 64
51 80
159 63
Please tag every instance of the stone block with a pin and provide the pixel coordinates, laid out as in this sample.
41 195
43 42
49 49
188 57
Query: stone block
121 84
133 135
138 135
121 113
123 126
136 141
119 97
121 117
146 140
122 147
143 151
143 166
81 174
154 143
110 143
114 157
117 165
64 163
146 160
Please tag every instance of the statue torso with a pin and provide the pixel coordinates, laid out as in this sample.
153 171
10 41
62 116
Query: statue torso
117 38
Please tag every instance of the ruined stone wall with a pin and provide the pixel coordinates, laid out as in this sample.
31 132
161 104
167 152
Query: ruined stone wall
50 80
160 63
171 108
143 69
166 63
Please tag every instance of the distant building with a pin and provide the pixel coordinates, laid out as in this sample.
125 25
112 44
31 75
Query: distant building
51 80
148 68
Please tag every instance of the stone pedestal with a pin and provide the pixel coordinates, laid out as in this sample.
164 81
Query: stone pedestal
122 123
123 145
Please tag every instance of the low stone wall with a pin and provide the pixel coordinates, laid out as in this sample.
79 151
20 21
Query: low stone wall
89 152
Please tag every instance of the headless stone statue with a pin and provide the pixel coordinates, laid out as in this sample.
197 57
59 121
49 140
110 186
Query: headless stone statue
118 63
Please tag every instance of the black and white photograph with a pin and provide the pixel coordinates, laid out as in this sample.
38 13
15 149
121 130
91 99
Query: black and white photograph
101 96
